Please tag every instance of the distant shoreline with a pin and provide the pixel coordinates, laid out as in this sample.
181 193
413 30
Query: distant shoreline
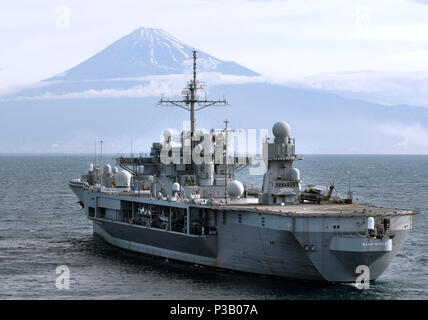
137 154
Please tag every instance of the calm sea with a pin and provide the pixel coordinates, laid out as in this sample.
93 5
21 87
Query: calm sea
42 227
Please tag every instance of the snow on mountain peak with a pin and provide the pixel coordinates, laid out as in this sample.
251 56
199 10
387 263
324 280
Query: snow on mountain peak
148 51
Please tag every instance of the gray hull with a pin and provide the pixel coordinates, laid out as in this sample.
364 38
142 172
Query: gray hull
286 258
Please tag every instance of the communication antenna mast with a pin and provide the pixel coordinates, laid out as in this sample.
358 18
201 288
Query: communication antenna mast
190 98
95 153
226 122
101 154
349 195
350 180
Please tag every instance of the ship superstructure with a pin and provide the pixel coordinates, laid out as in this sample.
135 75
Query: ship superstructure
184 202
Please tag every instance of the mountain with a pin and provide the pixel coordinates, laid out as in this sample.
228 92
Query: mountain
148 51
113 97
139 58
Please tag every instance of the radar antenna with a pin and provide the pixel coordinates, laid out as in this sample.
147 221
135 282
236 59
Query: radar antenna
190 98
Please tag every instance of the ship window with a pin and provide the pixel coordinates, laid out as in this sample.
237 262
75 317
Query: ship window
101 212
240 218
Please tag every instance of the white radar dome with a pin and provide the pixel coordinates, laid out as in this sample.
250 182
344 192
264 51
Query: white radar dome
107 169
281 129
295 174
91 167
123 179
115 170
235 189
175 187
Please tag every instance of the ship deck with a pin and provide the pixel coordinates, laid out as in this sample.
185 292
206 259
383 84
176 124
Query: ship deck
314 209
306 209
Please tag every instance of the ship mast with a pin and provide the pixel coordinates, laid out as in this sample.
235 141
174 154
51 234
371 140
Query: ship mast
190 98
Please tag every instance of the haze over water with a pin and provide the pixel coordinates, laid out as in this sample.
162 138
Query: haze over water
42 227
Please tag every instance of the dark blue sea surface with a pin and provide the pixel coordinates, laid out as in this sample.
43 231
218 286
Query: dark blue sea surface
42 227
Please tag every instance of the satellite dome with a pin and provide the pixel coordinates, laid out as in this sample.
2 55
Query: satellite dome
281 129
295 174
175 187
123 179
107 169
235 189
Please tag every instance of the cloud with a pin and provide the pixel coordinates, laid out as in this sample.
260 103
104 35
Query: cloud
385 87
408 138
9 90
406 33
163 85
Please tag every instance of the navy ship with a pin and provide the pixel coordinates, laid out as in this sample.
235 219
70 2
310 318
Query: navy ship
183 202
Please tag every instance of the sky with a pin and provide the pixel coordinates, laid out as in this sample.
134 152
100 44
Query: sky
280 39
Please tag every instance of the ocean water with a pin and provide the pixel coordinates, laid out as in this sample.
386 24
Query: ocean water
43 227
